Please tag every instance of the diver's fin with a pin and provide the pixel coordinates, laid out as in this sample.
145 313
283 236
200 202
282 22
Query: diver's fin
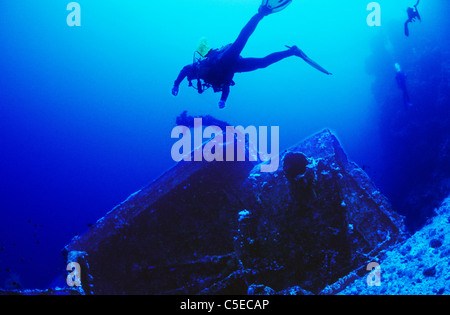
276 5
299 53
406 28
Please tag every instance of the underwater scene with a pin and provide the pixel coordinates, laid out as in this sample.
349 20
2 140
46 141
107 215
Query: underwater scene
225 147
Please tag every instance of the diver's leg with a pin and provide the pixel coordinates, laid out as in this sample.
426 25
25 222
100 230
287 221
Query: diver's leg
236 48
252 64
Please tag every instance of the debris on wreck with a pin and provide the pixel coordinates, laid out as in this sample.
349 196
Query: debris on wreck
226 228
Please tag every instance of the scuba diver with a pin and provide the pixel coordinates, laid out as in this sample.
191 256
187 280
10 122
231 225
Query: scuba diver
217 67
401 82
413 14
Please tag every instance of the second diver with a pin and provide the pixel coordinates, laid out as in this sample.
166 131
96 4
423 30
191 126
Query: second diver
413 14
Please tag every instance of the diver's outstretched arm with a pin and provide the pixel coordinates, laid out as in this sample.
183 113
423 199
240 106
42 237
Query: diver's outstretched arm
417 11
310 61
225 94
418 15
183 74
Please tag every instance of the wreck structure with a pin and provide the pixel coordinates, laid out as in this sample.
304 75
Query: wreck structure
227 228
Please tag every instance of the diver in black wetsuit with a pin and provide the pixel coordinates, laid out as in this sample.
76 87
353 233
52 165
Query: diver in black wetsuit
218 68
401 82
413 14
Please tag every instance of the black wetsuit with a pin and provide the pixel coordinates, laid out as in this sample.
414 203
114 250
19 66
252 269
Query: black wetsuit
220 66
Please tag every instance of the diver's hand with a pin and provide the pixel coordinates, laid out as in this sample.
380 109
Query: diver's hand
175 90
222 104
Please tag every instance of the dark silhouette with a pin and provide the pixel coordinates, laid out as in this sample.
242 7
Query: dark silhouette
413 14
184 120
219 66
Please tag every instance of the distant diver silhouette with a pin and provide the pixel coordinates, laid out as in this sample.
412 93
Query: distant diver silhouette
401 82
413 14
216 67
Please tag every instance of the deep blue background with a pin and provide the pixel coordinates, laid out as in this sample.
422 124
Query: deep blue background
86 112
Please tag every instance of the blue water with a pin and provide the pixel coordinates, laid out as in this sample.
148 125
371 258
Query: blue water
86 112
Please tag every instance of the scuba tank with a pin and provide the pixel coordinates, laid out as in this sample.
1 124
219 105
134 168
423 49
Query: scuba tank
200 86
204 64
